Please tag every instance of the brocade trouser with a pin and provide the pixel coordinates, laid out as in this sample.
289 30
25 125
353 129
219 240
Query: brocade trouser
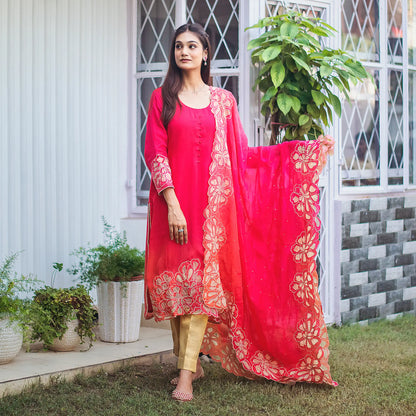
187 333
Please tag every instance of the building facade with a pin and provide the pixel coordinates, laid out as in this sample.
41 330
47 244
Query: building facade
76 78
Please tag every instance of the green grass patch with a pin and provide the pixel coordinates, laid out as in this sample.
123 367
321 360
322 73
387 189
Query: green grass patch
375 367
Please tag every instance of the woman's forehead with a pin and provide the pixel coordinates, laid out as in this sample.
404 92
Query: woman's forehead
187 37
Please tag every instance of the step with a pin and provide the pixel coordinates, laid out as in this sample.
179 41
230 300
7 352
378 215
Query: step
28 368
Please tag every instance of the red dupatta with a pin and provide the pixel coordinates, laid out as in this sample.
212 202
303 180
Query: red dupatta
260 238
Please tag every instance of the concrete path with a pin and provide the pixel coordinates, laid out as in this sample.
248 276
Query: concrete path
154 345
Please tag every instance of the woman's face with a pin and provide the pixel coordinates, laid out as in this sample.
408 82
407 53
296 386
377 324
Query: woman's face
189 52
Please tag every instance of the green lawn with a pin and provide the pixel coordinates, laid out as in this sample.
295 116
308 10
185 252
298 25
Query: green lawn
374 365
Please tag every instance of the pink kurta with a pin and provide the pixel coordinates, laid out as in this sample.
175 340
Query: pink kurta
254 233
181 157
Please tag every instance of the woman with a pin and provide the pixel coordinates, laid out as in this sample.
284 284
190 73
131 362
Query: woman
232 233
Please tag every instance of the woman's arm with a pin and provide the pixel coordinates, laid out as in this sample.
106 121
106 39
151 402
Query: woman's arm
176 219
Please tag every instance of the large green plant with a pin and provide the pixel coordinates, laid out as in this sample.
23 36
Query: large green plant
301 78
114 260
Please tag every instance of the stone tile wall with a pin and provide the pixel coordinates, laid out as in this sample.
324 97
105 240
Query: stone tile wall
378 271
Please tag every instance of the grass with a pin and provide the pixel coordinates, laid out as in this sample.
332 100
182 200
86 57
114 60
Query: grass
374 365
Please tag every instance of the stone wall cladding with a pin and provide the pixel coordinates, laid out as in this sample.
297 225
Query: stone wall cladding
378 271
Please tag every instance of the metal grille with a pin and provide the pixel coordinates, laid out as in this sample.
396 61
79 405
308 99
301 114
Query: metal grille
220 20
361 28
395 130
395 31
155 27
360 146
412 125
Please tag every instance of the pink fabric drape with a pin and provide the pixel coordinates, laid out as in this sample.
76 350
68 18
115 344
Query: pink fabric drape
257 279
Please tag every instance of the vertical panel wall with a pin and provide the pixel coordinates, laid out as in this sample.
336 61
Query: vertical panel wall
63 126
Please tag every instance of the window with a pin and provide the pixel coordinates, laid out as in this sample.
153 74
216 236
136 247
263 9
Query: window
377 151
156 23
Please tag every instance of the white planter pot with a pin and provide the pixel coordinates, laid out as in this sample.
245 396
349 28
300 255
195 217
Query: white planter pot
11 340
119 310
70 340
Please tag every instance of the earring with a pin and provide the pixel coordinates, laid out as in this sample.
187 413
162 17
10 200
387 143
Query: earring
205 62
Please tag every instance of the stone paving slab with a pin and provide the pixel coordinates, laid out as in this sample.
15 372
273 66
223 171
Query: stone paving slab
28 368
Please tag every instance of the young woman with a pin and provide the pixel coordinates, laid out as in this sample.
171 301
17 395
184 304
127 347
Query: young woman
232 233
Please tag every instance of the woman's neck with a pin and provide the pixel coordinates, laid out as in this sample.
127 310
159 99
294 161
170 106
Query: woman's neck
192 83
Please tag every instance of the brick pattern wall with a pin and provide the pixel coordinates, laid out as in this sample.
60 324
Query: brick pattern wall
378 271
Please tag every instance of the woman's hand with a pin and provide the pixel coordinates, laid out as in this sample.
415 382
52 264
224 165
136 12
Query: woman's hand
177 223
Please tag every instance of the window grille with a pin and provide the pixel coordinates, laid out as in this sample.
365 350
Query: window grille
377 152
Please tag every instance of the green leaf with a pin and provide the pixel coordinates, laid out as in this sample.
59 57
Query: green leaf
277 73
318 97
320 31
303 119
254 43
289 29
284 102
325 70
336 103
301 63
296 104
338 84
271 92
271 53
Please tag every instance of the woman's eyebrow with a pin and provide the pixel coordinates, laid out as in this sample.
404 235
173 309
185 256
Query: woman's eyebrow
189 41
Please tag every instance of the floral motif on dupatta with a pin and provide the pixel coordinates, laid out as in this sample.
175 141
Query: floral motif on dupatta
227 342
220 189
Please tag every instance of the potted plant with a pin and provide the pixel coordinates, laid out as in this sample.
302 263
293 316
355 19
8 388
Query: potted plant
116 269
299 75
61 318
12 308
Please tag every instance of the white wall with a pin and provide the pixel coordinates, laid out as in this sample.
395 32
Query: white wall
63 126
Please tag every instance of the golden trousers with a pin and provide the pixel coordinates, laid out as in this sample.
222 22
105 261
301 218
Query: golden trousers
187 333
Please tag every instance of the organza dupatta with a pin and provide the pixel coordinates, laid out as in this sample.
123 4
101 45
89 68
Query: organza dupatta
260 239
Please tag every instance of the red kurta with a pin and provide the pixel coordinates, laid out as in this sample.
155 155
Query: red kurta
253 237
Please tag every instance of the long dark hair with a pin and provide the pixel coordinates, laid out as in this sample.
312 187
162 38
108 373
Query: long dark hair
173 81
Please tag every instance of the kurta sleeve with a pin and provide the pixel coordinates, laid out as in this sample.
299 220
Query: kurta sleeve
155 150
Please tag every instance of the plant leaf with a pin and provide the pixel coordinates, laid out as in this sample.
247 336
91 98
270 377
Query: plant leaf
277 73
303 119
325 70
301 63
284 102
318 97
336 103
289 29
271 53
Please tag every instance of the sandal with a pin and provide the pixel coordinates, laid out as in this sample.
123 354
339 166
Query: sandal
175 380
181 396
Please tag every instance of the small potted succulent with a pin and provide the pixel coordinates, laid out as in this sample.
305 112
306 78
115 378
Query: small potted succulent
13 309
116 270
300 77
61 318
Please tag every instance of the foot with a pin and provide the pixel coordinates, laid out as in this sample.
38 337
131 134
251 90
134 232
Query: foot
196 376
180 396
199 373
183 391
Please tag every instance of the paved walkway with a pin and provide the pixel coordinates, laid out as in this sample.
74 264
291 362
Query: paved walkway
154 345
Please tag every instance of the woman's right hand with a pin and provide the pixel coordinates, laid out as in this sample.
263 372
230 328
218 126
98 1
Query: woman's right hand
178 229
